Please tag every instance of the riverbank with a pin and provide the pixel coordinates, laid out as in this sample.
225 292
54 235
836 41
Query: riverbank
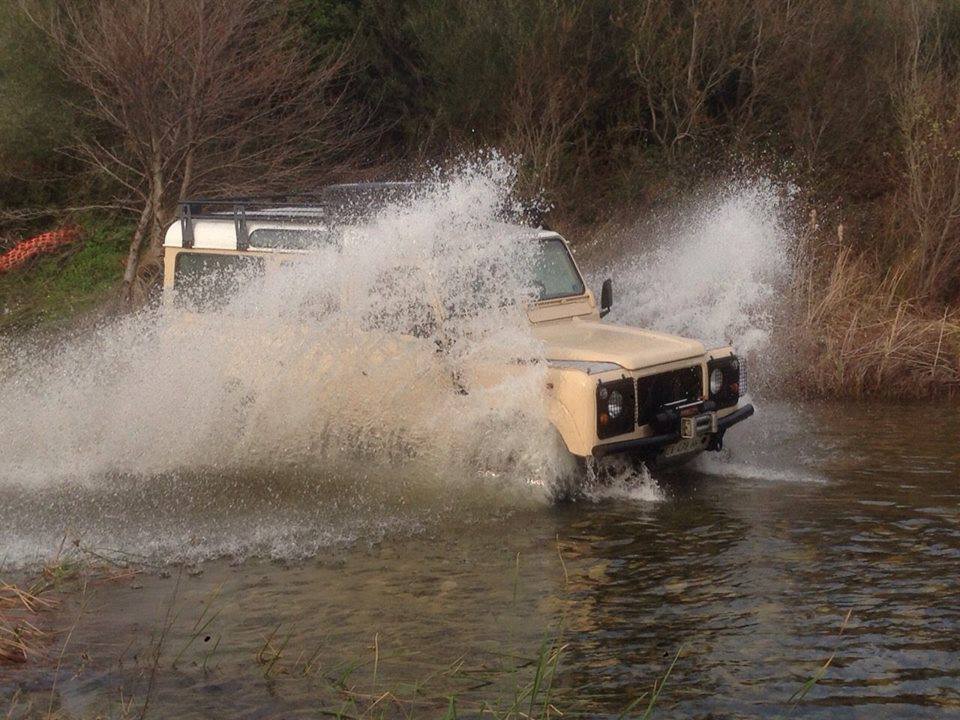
854 333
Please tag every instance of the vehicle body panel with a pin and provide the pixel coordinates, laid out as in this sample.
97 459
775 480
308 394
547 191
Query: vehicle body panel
590 340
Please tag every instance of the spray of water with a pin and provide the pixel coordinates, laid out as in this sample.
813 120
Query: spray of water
296 417
620 479
365 386
711 271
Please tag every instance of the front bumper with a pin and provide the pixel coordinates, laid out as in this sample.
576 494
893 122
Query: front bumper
653 444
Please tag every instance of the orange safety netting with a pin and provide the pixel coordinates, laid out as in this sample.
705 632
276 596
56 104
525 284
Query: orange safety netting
46 243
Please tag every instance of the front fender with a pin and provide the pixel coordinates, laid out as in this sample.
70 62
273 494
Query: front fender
572 409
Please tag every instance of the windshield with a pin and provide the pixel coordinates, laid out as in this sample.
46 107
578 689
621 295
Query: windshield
555 275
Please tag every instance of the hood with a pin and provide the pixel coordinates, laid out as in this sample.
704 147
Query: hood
631 348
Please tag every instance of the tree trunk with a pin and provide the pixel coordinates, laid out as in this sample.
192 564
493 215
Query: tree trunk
147 236
151 263
136 245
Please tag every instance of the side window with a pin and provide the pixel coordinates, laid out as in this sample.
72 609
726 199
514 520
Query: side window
291 239
207 281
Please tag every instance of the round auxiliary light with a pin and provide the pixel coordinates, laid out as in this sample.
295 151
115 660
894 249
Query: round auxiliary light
716 381
615 404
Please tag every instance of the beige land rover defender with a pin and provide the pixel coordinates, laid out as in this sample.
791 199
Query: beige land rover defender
610 389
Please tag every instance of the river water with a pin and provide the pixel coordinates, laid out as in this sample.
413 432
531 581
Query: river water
743 568
297 558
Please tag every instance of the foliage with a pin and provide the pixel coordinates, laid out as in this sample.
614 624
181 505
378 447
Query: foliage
58 287
34 118
608 104
187 97
588 92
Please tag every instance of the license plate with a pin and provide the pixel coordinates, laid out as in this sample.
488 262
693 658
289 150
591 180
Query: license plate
681 447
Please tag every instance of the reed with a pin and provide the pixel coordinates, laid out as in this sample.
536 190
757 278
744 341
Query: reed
207 616
820 672
24 605
859 332
20 638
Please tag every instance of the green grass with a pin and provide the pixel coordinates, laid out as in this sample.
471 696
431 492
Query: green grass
52 289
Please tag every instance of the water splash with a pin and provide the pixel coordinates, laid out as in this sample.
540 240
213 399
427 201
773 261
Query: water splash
295 418
324 422
711 270
617 478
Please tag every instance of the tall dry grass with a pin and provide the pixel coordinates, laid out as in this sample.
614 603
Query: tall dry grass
20 638
860 332
27 606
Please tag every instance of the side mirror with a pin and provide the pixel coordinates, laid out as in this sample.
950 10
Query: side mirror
606 297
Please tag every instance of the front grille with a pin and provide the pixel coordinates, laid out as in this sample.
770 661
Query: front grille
676 387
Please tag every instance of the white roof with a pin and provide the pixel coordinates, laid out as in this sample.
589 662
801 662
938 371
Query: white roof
217 234
220 233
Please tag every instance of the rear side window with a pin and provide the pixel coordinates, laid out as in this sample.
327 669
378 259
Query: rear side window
290 239
207 281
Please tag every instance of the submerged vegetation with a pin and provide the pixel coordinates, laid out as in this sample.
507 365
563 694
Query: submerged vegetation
191 641
612 108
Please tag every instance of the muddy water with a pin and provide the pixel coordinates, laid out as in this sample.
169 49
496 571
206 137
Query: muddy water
744 568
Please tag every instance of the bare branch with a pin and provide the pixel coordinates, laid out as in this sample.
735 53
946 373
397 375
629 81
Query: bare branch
197 96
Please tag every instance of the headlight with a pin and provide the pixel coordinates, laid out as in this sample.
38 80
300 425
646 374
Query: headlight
716 381
615 404
725 380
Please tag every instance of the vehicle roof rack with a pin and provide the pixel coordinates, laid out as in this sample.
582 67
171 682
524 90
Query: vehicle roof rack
332 203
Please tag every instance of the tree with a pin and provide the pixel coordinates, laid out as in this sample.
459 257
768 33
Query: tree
33 123
196 96
927 105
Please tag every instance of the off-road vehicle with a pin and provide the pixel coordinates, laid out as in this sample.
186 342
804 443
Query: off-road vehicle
610 389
